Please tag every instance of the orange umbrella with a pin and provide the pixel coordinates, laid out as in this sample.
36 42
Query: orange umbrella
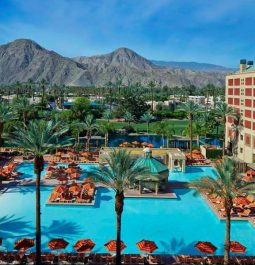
59 153
88 186
57 243
205 247
144 144
50 168
237 247
111 246
147 246
24 244
75 189
75 175
241 200
60 189
150 145
88 179
70 170
85 245
247 178
62 178
250 172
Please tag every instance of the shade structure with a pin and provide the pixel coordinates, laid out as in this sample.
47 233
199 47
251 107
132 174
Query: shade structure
60 189
84 245
24 244
147 246
75 175
57 243
111 246
237 247
205 247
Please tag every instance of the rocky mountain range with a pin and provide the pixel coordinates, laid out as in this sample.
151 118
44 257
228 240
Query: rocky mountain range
24 59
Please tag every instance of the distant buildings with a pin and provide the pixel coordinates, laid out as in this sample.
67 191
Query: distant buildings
240 94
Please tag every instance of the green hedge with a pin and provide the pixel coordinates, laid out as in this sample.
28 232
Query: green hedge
214 153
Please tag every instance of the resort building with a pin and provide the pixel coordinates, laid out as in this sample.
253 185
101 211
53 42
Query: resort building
240 94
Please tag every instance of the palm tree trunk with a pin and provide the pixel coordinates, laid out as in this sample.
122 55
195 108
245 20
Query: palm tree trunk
38 168
223 144
119 204
1 132
190 134
106 139
227 237
147 127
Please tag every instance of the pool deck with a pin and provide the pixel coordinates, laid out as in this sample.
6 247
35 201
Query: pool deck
161 195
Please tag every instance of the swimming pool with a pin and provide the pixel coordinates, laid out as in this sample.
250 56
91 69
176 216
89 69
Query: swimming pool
193 173
27 169
174 224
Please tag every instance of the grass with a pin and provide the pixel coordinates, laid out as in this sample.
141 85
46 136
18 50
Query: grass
178 125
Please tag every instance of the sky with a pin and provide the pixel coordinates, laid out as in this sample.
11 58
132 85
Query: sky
212 31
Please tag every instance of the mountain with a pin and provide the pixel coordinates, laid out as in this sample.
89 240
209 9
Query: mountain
205 67
24 59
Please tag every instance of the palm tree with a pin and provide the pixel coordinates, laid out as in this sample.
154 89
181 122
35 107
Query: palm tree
129 117
228 186
162 129
6 114
147 117
152 87
223 111
77 127
120 172
107 115
191 108
89 125
23 107
38 138
106 128
169 134
237 127
43 87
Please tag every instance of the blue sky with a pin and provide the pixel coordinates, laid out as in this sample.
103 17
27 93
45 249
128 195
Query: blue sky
213 31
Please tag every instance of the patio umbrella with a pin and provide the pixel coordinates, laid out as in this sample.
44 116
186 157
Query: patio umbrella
88 180
147 246
59 153
60 189
75 189
24 244
52 164
250 173
62 178
50 168
237 247
150 145
88 186
144 144
70 170
111 246
75 175
72 165
241 200
85 245
57 243
205 247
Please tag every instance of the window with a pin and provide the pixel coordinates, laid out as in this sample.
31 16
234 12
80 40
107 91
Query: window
248 113
237 91
236 101
230 91
248 81
241 137
230 82
247 124
247 139
230 101
237 82
248 103
248 92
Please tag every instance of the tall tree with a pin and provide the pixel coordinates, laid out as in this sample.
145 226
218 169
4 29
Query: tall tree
23 107
191 108
120 172
162 129
223 111
147 117
39 137
89 126
228 186
106 128
129 117
152 88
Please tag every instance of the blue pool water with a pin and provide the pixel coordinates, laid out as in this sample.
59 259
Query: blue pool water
28 169
193 173
174 224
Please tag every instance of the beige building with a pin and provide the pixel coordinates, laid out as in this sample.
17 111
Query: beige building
240 94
